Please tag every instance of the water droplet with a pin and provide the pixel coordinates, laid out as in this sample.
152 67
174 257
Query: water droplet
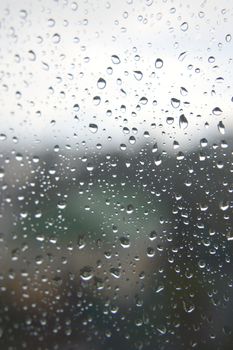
2 173
125 242
159 63
23 14
31 55
130 209
115 59
115 272
184 26
93 128
101 83
96 100
201 264
224 205
183 122
183 91
150 252
182 56
228 38
153 235
175 102
3 137
90 167
132 140
51 22
56 38
211 59
138 74
86 273
203 142
188 307
217 111
170 120
221 128
62 205
76 107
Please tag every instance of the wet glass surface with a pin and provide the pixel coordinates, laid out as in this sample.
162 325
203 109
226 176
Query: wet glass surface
116 175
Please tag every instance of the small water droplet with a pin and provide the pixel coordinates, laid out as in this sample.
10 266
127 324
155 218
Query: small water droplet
217 111
115 59
159 63
61 205
221 128
184 26
101 83
115 272
182 56
228 38
125 242
56 38
138 75
224 205
188 307
183 122
93 128
31 55
130 209
86 273
175 102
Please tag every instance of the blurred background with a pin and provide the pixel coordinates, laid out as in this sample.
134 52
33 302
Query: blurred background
116 175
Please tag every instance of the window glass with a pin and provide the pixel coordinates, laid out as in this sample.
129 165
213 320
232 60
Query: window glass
116 174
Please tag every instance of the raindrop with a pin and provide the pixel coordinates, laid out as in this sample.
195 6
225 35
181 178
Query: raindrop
217 111
183 91
62 205
184 26
188 307
228 38
86 273
175 102
183 122
115 272
221 128
130 209
182 56
76 107
93 128
159 63
115 59
138 74
224 205
31 55
56 38
125 242
101 83
96 100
